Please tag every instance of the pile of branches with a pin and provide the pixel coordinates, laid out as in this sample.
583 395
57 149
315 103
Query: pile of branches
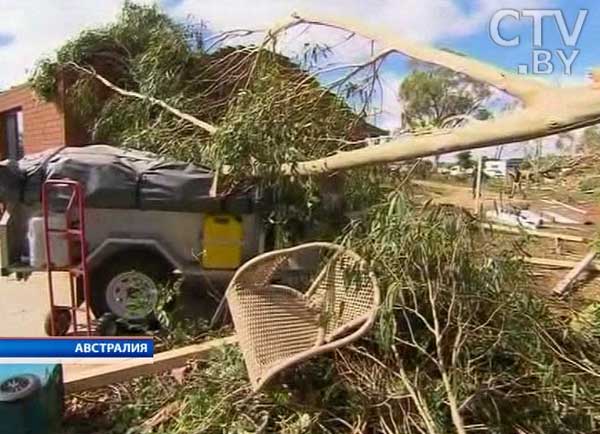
148 82
572 174
141 83
557 165
460 345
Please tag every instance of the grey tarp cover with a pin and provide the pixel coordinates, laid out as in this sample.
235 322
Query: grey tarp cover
112 178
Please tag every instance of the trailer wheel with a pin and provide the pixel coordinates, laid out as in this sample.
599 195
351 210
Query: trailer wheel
19 387
128 286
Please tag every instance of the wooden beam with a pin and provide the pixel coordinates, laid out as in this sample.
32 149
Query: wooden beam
564 205
563 286
558 263
101 376
532 232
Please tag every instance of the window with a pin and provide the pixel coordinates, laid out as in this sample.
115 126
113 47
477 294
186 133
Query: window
13 134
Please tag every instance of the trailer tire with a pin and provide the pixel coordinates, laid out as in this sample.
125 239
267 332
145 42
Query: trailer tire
134 278
19 387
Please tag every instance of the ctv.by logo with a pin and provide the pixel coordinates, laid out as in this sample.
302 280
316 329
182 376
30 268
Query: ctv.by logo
543 61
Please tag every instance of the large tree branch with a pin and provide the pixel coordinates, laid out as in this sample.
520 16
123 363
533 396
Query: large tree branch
211 129
547 110
556 111
354 67
517 85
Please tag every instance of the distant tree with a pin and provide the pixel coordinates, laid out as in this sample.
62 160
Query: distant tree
465 159
591 140
439 98
565 142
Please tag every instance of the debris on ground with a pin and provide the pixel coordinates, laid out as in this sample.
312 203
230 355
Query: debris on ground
525 219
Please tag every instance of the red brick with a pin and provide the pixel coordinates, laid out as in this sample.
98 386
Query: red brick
44 123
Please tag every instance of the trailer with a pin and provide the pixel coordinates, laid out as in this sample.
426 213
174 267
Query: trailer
149 220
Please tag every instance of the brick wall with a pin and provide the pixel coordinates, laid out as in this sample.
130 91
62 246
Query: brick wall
44 124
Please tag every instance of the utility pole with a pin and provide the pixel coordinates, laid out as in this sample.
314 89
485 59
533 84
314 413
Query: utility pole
478 186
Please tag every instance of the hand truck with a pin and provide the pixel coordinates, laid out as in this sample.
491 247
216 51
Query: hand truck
62 319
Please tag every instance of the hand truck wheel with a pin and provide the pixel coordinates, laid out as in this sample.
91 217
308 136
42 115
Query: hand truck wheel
62 322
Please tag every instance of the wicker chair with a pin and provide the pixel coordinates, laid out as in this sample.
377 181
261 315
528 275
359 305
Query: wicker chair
279 326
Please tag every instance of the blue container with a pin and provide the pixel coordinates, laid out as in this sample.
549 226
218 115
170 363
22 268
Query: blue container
31 399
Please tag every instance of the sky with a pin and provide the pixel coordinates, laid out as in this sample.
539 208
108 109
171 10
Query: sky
31 29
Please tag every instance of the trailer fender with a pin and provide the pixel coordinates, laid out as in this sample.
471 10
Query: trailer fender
113 246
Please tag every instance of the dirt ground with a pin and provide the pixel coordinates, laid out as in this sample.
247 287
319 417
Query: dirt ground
462 196
25 304
587 287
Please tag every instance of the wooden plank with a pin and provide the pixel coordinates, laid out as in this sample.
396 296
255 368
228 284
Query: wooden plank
560 219
563 286
564 205
558 263
101 376
535 233
558 226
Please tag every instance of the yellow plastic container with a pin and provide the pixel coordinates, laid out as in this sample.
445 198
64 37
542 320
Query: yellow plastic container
223 237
